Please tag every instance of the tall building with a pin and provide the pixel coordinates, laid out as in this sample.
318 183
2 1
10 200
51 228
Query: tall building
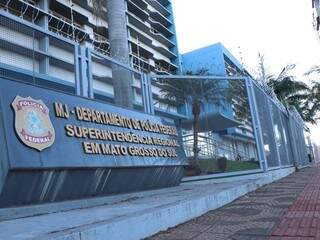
54 42
316 14
236 140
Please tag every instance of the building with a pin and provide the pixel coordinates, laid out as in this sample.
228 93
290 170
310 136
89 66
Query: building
49 42
236 142
316 14
62 45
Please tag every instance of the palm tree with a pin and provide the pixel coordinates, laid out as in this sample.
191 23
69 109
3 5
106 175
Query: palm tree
294 93
119 48
197 93
315 105
315 93
289 91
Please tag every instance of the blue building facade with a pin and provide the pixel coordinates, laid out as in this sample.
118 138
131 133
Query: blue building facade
213 58
218 61
59 45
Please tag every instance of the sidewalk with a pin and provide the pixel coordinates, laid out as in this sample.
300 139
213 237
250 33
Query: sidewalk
286 209
139 215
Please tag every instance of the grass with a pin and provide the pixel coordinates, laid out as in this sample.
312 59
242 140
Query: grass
211 166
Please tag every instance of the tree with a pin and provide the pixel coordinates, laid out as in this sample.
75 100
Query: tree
314 97
262 75
196 92
289 91
315 103
119 48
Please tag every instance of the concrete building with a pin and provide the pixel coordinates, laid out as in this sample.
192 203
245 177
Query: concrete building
316 14
60 44
51 41
234 142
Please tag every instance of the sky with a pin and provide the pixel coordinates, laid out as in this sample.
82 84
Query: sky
282 30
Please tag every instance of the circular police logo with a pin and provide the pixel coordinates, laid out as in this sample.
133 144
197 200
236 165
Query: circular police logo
32 123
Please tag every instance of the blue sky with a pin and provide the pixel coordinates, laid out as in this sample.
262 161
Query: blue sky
280 29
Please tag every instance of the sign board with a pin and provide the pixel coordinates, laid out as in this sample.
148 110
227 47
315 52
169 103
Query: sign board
78 132
48 130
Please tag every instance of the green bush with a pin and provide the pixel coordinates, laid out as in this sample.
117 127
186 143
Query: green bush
210 166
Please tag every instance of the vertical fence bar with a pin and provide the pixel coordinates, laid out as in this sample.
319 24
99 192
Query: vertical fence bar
89 72
272 115
77 62
83 71
285 161
147 98
256 124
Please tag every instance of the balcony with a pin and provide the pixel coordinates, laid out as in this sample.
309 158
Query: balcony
140 36
165 66
160 28
136 10
161 70
161 38
164 3
142 50
165 52
159 7
27 10
160 18
135 21
140 3
140 63
101 44
65 27
138 25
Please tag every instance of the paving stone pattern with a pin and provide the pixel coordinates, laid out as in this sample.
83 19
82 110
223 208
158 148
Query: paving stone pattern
286 209
302 221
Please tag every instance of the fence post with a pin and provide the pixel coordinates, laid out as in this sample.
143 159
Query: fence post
83 71
89 72
292 141
147 98
44 40
256 124
274 140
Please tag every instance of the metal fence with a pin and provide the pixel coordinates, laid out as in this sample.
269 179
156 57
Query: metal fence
263 134
47 51
226 122
283 131
258 132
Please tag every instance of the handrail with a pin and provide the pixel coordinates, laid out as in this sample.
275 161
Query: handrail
212 147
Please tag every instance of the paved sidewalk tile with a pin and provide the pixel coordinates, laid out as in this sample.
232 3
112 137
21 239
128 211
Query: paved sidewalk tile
286 209
302 220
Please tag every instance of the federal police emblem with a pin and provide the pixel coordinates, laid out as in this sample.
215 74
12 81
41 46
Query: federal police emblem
32 123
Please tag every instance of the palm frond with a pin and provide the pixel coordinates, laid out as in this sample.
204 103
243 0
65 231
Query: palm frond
313 69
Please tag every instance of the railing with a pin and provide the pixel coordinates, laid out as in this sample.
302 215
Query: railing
268 90
102 73
212 148
161 69
101 44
